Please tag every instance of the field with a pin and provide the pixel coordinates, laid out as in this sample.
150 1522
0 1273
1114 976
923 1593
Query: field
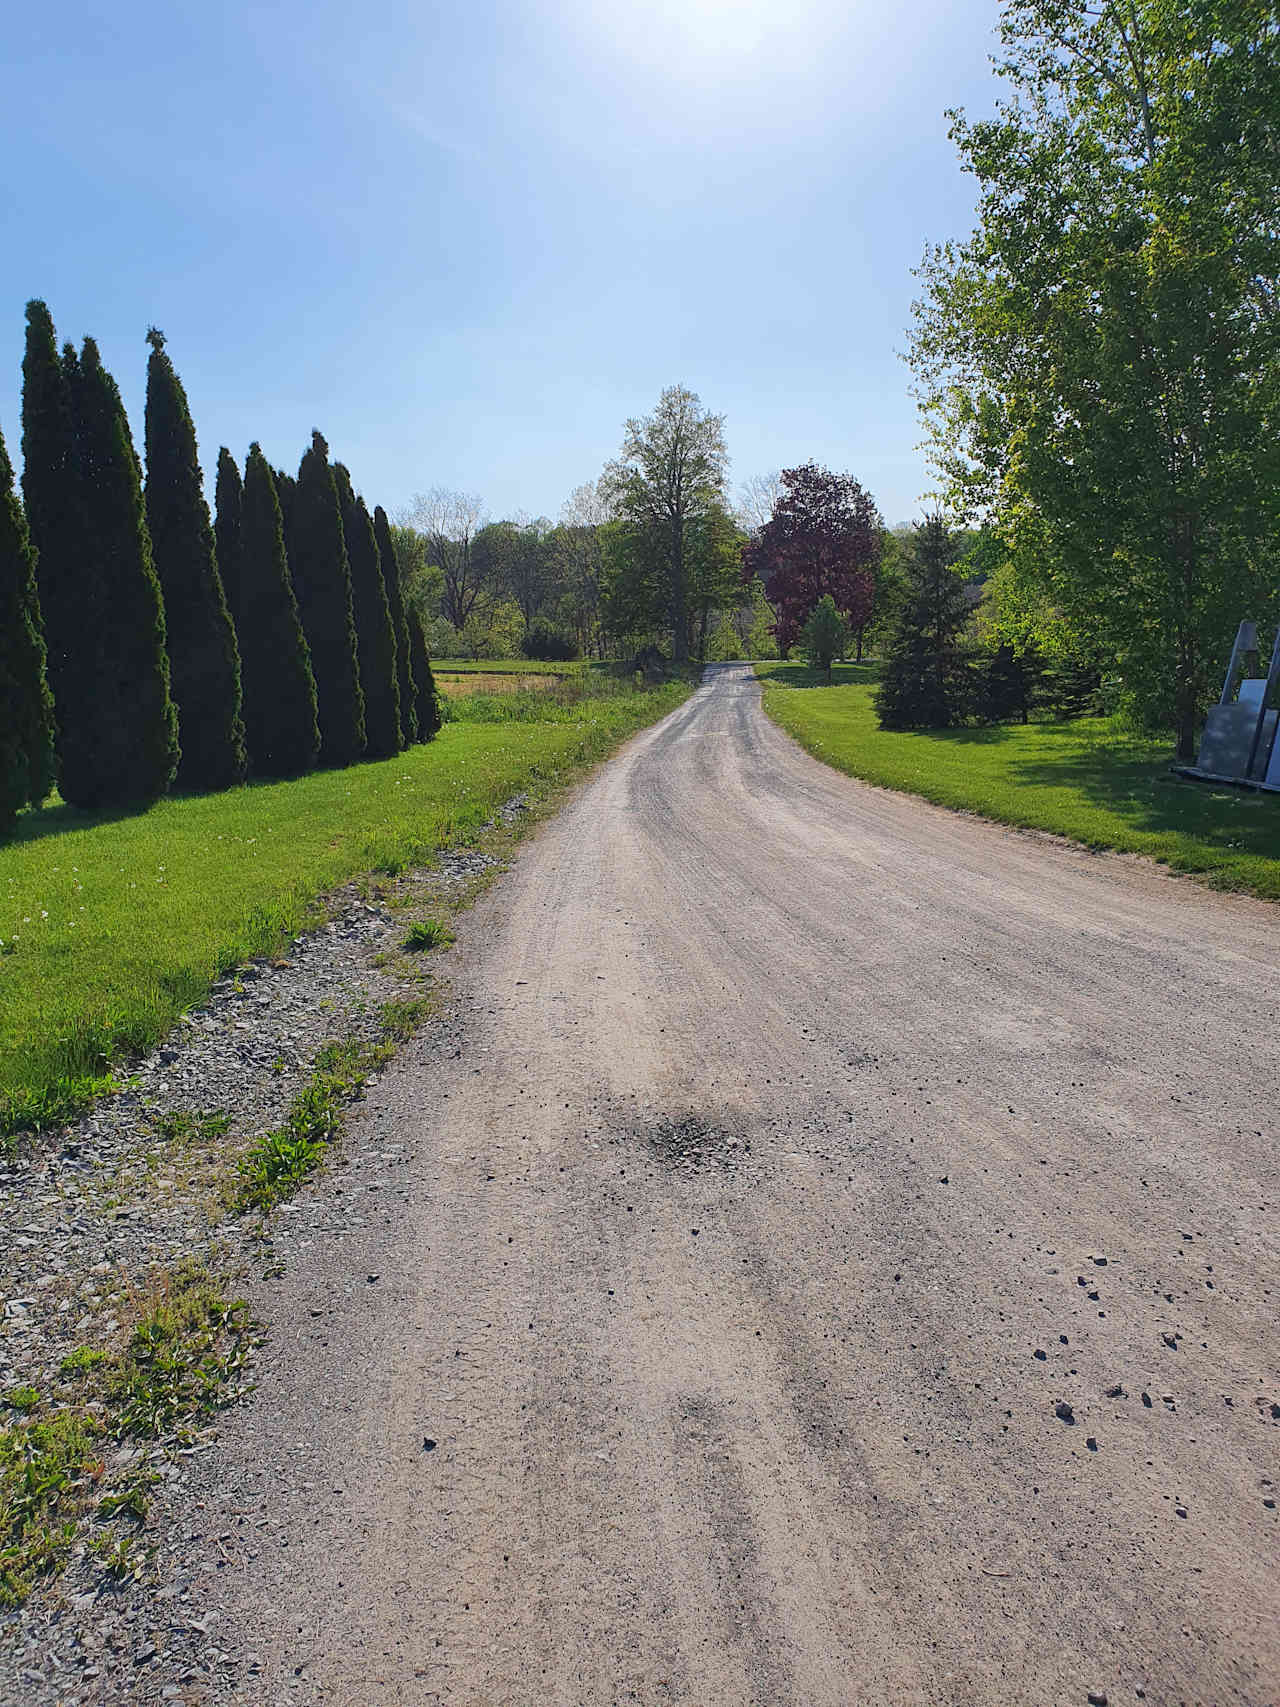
111 927
1091 780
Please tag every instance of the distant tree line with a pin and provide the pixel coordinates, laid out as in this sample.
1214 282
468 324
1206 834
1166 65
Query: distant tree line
145 644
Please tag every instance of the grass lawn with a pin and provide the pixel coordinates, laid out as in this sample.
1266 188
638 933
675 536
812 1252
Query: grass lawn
1090 780
111 927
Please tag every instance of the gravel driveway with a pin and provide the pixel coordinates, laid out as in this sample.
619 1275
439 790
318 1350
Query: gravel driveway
828 1254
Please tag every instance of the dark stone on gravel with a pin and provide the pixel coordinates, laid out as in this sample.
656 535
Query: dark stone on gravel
1146 1399
1064 1413
428 1445
1116 1392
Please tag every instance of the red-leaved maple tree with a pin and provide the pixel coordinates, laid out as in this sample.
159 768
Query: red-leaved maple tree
823 537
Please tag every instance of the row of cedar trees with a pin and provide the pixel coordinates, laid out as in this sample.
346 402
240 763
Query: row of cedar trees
142 643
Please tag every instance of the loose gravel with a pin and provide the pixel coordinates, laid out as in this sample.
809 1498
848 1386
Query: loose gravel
90 1212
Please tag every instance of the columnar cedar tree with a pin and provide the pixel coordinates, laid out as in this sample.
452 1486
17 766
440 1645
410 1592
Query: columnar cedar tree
228 502
281 730
286 492
68 595
322 584
128 699
375 636
395 603
927 681
26 706
204 661
823 537
427 701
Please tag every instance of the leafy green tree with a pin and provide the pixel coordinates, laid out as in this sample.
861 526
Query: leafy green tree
26 705
204 660
131 751
427 704
55 517
375 633
228 508
669 475
384 536
281 726
1099 362
322 585
715 571
927 680
825 635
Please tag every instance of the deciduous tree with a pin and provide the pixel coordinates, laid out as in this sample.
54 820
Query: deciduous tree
204 660
823 537
449 521
670 473
1100 362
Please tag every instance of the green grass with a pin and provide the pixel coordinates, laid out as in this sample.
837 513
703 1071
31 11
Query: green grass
1092 780
112 927
276 1165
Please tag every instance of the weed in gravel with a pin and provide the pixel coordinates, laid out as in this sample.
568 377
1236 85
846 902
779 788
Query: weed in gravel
426 933
22 1398
183 1361
81 1361
122 1557
46 1471
182 1127
280 1160
184 1358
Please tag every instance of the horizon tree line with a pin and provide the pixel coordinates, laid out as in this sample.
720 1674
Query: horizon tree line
145 644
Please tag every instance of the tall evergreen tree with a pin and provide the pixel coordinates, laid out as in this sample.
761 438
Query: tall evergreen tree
281 729
427 702
204 661
287 493
322 584
395 603
26 705
136 721
927 682
375 635
54 511
228 500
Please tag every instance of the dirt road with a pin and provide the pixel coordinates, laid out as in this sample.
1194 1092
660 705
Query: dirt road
829 1257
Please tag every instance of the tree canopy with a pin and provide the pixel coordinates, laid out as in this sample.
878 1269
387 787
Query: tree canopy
667 478
1098 362
823 537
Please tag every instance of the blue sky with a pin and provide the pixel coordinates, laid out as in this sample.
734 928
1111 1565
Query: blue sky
467 241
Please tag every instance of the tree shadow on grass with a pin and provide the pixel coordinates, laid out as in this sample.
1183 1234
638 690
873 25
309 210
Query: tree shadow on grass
1146 794
842 675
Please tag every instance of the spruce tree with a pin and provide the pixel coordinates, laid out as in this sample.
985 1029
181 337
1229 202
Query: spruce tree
927 681
375 636
427 703
1004 691
322 584
281 729
54 512
26 705
204 661
228 500
395 603
135 722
